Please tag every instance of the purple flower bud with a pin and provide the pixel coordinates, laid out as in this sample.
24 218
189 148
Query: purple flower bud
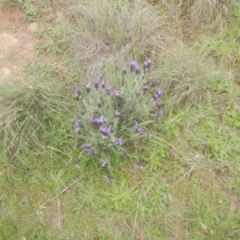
102 119
97 121
145 88
137 70
159 91
119 141
105 131
133 64
78 126
103 84
117 114
87 86
103 163
96 81
90 152
159 114
81 111
117 93
124 71
139 129
158 102
77 92
107 88
86 146
154 82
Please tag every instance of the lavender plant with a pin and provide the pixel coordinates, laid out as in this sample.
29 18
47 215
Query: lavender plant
116 112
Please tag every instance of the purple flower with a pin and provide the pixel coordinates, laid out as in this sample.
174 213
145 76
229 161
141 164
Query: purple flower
133 64
124 71
90 152
138 128
103 84
87 86
86 146
145 88
102 119
107 178
117 114
77 92
103 163
137 70
119 141
158 102
159 114
116 93
159 92
78 126
96 81
154 82
81 111
97 121
105 130
107 88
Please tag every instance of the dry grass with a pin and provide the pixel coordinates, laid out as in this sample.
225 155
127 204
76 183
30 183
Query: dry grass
199 11
102 31
186 74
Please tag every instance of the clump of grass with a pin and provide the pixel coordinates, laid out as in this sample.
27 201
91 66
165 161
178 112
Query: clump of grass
103 30
200 11
25 109
186 74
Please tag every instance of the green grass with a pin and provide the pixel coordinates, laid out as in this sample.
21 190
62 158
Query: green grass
189 186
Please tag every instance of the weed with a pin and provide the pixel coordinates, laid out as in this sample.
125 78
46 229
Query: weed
117 110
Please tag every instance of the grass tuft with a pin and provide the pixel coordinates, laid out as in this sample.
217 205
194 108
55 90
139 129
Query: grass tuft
25 109
100 31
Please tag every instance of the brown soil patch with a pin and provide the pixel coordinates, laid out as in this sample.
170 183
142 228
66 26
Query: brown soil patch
16 44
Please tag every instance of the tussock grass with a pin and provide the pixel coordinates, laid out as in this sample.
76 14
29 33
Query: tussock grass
200 11
186 74
104 30
25 108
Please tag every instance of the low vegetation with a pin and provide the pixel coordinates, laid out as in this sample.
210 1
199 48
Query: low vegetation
180 179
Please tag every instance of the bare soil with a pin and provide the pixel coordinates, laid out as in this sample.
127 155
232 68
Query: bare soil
17 44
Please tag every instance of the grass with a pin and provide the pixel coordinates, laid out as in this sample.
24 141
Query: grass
189 185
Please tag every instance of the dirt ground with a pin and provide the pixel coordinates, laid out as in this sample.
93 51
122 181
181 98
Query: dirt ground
17 44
